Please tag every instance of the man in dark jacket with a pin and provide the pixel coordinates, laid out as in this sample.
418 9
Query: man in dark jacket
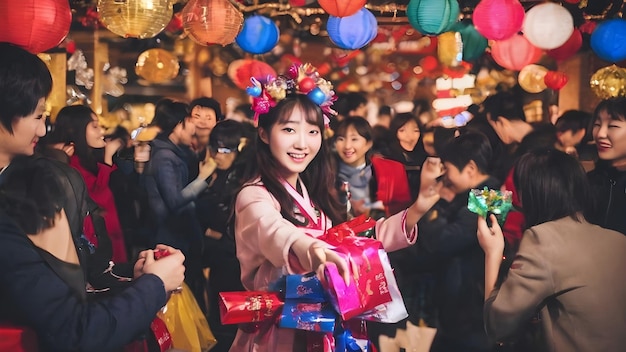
170 194
447 245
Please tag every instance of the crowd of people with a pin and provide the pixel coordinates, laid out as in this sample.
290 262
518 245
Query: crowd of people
248 198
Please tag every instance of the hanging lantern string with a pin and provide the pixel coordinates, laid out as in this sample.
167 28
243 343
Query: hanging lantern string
280 9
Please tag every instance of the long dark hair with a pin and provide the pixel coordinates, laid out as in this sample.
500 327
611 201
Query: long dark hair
70 126
551 185
319 175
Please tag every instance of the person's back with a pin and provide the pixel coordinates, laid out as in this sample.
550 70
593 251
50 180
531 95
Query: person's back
579 262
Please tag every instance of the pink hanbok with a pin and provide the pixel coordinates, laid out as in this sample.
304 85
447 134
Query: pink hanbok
264 239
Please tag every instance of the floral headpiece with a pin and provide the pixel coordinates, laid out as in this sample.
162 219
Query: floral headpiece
303 79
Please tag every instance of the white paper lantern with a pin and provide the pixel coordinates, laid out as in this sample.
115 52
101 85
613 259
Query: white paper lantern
548 25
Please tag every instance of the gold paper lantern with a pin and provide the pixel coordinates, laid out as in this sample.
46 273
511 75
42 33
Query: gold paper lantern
531 78
450 48
157 66
212 21
135 18
609 82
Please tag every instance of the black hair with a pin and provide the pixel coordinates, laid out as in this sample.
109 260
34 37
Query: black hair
507 104
385 110
31 194
70 126
246 110
227 134
573 120
319 176
614 107
24 80
347 102
168 114
551 185
360 124
206 102
470 146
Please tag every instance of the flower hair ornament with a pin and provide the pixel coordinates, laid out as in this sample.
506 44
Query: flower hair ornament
303 79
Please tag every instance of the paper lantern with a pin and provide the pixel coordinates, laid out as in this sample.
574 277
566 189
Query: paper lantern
352 32
450 48
135 18
157 66
429 63
548 25
498 19
569 48
342 8
212 21
609 82
298 3
240 72
555 80
35 25
608 40
514 53
474 44
258 36
531 78
432 17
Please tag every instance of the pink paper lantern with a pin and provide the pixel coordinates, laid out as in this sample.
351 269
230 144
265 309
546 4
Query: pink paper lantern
569 48
515 53
35 25
498 19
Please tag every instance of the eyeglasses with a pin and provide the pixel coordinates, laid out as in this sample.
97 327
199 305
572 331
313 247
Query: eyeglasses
222 150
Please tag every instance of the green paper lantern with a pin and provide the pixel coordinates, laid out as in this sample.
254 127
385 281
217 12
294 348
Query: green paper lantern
474 44
432 17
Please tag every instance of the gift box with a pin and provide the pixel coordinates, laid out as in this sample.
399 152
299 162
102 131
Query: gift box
368 286
489 201
249 306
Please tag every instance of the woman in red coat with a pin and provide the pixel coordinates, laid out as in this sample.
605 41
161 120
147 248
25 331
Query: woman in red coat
78 128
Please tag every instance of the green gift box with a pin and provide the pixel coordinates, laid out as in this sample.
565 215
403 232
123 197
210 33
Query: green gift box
490 201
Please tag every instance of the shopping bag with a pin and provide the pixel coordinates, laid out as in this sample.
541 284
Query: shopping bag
186 323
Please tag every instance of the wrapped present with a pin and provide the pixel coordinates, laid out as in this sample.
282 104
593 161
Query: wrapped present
306 306
368 287
249 306
489 201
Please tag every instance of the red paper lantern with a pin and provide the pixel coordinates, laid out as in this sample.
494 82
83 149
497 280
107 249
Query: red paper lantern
515 53
240 72
555 79
342 8
429 63
35 25
569 48
498 19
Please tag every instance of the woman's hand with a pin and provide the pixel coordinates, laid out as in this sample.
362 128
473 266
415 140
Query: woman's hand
169 269
491 239
321 255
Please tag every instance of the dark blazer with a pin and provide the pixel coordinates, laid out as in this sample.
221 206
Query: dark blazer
573 273
34 295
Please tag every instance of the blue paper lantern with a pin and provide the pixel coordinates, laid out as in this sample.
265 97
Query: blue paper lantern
432 17
258 35
608 40
352 32
474 44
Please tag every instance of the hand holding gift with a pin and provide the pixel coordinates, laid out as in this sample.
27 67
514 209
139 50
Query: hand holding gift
489 201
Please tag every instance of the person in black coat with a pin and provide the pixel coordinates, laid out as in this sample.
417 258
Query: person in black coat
608 178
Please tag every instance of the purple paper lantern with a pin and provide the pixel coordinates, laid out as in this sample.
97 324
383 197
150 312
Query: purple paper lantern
352 32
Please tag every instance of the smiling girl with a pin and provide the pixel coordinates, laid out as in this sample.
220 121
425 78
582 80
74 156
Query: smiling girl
608 179
290 202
